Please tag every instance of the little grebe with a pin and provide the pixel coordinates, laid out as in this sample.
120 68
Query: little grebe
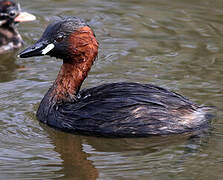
114 109
10 15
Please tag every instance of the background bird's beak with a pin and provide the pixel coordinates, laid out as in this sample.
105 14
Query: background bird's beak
24 17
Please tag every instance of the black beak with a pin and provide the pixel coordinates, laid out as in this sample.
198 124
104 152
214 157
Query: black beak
35 50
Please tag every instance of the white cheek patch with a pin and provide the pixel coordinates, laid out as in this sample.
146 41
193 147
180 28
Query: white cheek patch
48 48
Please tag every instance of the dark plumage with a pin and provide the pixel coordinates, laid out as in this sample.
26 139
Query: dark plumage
116 109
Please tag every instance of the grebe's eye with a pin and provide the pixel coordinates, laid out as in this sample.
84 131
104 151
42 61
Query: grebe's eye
59 38
12 13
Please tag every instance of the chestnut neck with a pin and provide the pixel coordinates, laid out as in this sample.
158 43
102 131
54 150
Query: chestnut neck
83 49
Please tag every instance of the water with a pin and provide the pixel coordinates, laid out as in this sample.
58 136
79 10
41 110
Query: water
172 43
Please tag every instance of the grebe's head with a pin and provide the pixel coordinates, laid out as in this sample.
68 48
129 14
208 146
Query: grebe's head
70 39
10 13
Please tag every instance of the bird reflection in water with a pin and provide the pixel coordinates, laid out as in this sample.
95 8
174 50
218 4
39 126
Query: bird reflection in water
87 164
